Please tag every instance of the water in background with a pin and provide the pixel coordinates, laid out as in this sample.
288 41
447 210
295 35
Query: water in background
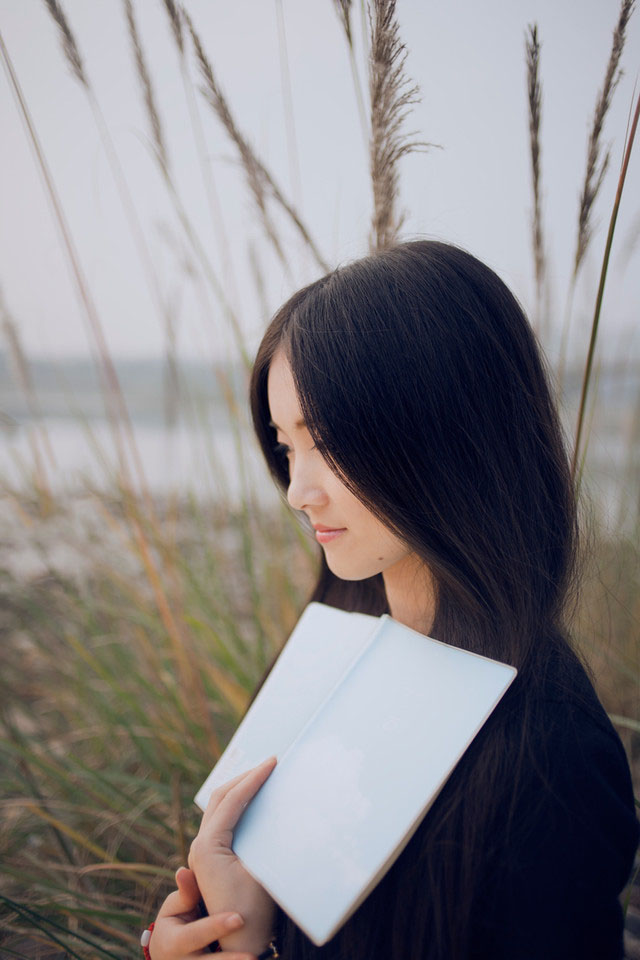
187 446
179 459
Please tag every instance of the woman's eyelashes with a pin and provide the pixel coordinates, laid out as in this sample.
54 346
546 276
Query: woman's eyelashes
284 450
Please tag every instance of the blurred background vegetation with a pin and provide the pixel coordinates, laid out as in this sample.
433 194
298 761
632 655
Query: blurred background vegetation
140 604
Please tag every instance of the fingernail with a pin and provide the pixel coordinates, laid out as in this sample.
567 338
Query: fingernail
178 871
233 922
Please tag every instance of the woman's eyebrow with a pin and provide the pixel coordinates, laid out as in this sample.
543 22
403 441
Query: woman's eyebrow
299 423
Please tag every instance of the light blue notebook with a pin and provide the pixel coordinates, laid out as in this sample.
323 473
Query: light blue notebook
367 719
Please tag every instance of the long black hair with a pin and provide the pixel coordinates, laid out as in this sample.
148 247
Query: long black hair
421 381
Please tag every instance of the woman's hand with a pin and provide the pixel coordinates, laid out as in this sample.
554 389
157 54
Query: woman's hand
224 883
179 933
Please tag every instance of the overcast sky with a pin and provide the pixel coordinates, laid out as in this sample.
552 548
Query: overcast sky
467 58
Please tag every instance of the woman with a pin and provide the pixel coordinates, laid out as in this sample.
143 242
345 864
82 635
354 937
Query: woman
403 405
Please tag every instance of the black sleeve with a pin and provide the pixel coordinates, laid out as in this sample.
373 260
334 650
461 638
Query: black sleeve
558 874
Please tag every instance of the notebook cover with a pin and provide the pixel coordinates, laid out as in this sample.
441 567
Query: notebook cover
320 650
353 786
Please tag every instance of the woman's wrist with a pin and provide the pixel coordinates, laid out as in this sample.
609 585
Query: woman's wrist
247 941
271 952
255 935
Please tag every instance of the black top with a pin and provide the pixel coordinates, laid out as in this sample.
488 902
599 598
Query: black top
560 850
556 897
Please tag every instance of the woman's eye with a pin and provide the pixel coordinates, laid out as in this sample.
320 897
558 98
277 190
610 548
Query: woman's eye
284 450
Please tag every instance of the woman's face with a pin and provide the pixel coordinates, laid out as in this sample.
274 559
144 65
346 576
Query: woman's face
356 544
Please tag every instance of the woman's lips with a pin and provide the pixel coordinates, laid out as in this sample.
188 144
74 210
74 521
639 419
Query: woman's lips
327 534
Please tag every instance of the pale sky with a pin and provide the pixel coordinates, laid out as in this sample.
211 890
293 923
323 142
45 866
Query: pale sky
467 58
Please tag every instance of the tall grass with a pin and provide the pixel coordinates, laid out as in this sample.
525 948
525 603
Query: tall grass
597 162
121 681
534 99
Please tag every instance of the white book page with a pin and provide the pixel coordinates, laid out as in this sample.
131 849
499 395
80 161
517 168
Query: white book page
355 783
321 649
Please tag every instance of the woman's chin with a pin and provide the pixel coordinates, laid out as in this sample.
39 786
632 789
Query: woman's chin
346 571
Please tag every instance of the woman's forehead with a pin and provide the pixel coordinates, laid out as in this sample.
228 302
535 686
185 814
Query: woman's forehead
284 405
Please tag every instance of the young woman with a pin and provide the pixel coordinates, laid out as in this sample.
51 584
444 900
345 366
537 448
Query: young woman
402 403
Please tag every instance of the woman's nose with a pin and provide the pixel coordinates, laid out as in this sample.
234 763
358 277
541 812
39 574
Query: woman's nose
305 489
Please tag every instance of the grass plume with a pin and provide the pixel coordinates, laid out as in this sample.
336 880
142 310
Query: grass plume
213 201
343 9
534 100
260 181
147 87
597 164
391 96
176 23
69 45
598 158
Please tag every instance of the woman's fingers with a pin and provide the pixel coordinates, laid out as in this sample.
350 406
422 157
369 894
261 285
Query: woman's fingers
187 938
173 939
231 798
222 814
233 804
188 885
183 901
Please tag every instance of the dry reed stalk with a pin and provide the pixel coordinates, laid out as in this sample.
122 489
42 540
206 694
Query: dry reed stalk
258 281
260 181
147 88
213 201
176 24
534 96
23 372
171 373
116 408
17 737
117 411
246 514
343 8
162 159
41 480
72 53
216 99
391 95
597 164
68 40
191 678
179 825
596 168
598 305
285 82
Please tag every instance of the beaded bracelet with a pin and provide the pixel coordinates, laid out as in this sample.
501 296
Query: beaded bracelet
144 941
271 952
